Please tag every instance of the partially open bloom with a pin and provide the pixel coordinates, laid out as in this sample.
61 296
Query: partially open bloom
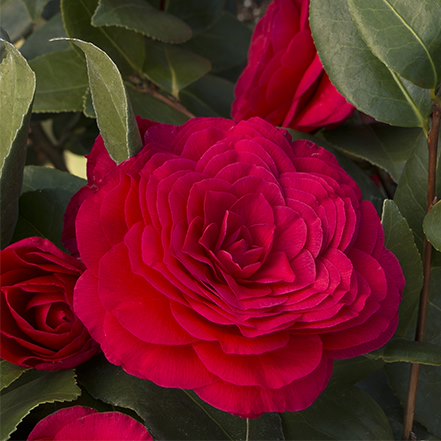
83 423
284 81
227 259
38 328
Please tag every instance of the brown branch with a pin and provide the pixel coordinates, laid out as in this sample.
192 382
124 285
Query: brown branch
427 259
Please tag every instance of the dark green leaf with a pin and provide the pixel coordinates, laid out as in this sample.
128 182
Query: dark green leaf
173 68
124 47
432 226
17 86
349 372
209 96
142 17
400 240
339 414
61 81
38 42
404 35
9 373
225 43
359 75
171 414
35 7
199 15
384 146
30 390
14 18
115 117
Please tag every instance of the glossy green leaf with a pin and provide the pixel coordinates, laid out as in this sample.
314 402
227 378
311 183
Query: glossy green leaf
359 75
432 226
209 96
429 388
14 18
173 68
341 413
30 390
38 42
61 81
400 240
35 7
405 35
171 413
386 147
115 117
17 86
124 47
200 15
9 373
142 17
225 43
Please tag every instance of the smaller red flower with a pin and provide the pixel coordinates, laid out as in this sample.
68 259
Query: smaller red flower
38 327
285 82
83 423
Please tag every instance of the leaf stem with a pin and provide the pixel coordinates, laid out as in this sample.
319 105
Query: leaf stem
247 433
427 262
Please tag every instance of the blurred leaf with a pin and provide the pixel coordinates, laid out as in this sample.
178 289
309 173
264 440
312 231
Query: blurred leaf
171 414
432 226
61 81
339 414
9 373
400 240
142 17
404 35
124 47
30 390
38 42
353 370
47 192
429 389
386 147
200 15
115 117
14 18
35 7
225 43
173 68
359 75
17 87
209 96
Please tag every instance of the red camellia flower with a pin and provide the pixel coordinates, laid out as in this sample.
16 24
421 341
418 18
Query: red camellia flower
83 423
284 81
38 328
227 259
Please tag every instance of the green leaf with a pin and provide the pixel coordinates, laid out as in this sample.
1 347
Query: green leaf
199 15
404 35
35 7
400 240
124 47
432 226
408 351
353 370
47 192
61 82
38 42
142 17
341 413
225 43
14 18
386 147
30 390
115 117
9 373
170 413
359 75
17 86
173 68
209 96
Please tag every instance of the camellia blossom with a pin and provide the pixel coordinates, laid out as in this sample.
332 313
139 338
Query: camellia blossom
227 259
83 423
284 81
38 328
